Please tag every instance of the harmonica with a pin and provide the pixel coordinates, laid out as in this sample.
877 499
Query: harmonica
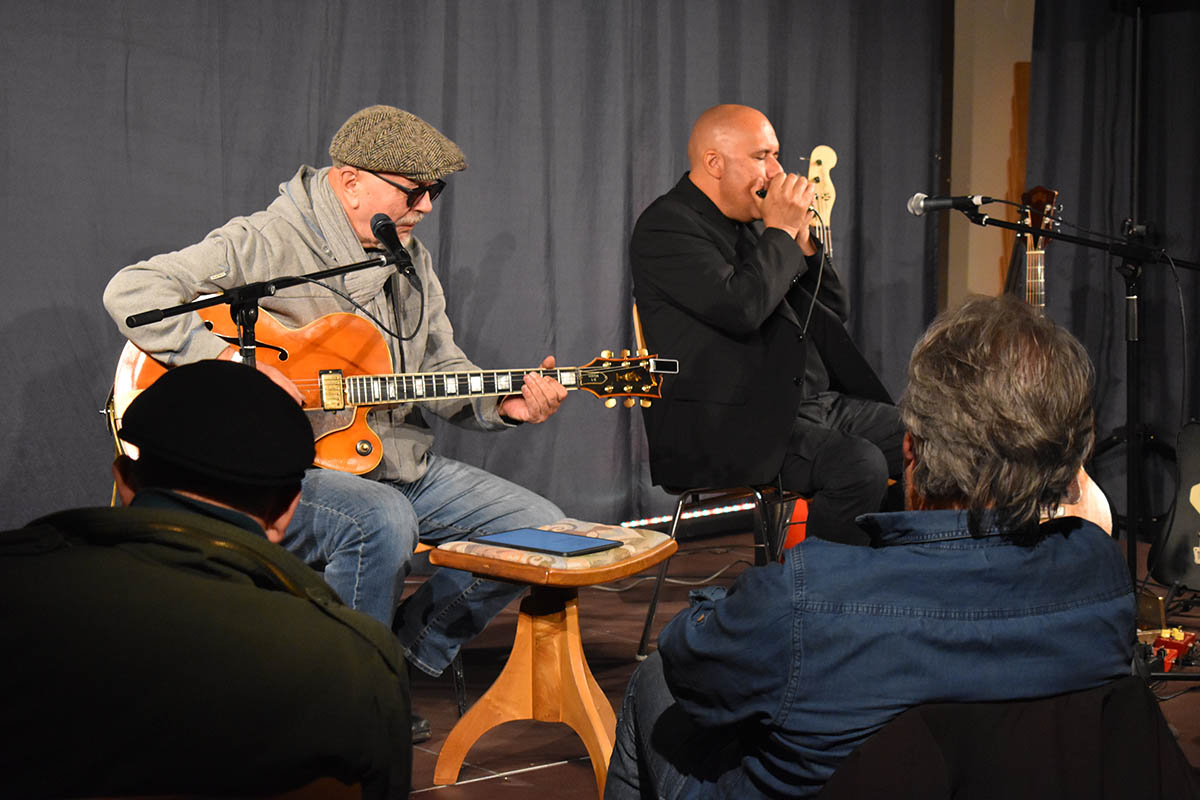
763 193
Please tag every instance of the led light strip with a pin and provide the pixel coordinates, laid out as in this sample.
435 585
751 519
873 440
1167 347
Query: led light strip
701 512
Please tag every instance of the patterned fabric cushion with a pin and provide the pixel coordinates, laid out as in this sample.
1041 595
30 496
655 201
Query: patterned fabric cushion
633 541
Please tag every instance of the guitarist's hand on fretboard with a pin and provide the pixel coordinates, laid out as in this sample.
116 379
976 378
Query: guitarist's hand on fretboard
540 397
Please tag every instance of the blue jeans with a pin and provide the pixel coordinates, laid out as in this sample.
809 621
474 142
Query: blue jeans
661 752
362 533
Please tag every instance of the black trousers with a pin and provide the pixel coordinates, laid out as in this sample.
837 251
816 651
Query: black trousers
840 455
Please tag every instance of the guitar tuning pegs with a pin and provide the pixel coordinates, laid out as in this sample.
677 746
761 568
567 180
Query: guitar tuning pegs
610 402
630 402
625 353
606 354
643 353
645 404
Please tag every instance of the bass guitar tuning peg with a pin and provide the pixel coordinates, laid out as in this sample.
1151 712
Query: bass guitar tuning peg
610 402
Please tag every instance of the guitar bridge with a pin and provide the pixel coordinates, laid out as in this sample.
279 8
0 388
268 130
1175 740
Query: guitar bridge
333 389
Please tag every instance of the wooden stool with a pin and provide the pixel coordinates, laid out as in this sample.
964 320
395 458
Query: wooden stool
547 677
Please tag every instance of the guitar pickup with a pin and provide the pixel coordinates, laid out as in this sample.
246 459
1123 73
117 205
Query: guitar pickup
664 366
333 389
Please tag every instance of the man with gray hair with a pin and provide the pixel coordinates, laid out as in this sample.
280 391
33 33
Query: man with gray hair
361 531
964 596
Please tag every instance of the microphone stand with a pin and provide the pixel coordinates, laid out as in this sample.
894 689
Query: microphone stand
1134 257
243 302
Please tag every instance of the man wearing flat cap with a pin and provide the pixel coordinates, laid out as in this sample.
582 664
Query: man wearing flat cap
167 647
362 530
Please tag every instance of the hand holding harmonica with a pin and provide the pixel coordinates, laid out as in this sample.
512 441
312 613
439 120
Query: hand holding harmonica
786 203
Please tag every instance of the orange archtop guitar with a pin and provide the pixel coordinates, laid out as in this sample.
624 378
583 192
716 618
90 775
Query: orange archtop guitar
343 367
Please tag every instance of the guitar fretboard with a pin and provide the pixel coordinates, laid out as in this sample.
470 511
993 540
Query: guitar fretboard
1035 278
377 389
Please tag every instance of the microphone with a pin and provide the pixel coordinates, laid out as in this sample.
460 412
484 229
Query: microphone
919 203
385 231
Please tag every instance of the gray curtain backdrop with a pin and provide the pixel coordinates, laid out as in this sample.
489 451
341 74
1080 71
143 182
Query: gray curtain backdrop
133 128
1086 66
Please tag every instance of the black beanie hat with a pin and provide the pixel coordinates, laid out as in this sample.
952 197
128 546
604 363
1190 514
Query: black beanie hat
223 420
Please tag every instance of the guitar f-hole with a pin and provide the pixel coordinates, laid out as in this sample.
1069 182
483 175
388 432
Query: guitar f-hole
233 340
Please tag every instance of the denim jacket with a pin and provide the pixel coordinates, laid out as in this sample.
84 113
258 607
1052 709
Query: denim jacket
806 659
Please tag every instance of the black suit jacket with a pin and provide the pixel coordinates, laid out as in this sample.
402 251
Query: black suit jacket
727 300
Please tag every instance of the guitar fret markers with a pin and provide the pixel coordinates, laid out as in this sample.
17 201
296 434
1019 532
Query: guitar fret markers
376 389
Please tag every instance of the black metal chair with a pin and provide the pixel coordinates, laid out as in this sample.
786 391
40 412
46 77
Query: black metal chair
769 523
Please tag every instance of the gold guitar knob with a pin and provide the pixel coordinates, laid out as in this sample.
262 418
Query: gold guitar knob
630 402
625 353
610 402
645 404
606 353
643 353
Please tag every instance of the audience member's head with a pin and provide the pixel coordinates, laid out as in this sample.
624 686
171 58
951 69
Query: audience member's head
221 432
998 412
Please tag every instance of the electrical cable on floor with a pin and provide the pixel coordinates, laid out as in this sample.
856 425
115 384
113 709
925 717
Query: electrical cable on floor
1164 698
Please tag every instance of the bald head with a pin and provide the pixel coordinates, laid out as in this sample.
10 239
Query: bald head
720 128
733 152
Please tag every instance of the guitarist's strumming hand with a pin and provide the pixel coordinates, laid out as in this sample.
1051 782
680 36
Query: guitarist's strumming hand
540 397
788 206
271 372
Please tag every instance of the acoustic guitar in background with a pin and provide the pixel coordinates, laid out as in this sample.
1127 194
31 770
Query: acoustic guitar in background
1039 202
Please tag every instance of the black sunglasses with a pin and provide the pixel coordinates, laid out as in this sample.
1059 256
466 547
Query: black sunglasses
414 194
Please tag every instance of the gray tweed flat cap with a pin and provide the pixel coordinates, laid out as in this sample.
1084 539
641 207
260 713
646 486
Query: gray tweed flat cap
389 139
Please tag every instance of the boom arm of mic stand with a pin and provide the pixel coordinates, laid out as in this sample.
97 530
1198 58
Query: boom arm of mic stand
243 301
1126 250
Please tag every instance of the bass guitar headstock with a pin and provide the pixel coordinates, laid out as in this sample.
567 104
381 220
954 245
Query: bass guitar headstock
820 162
625 375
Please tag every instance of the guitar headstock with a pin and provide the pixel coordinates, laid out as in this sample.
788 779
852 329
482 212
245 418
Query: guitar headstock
820 162
1040 212
630 376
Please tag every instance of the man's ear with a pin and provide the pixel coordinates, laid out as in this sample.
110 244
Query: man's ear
125 477
276 527
912 501
345 184
714 163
